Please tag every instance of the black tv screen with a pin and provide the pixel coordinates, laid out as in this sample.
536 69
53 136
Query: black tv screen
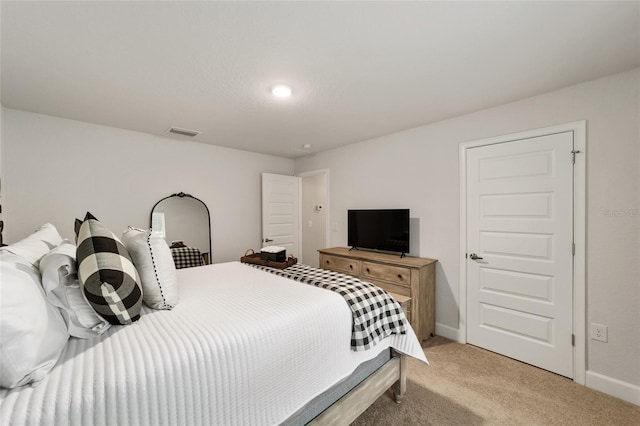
385 230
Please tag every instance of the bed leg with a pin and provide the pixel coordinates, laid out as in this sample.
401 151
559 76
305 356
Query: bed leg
400 387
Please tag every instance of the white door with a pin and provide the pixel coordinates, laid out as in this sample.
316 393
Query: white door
519 245
281 212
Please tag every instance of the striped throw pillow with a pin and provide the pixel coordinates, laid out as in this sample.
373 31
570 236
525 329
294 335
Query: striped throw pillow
107 275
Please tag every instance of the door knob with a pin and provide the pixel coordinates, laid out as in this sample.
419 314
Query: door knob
267 240
474 256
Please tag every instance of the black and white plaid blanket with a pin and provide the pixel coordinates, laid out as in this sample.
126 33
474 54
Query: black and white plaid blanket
376 315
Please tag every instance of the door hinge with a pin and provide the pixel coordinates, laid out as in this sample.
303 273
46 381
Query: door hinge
573 156
466 255
573 249
573 340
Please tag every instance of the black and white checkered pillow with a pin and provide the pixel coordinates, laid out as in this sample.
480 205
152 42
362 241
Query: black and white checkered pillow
186 257
106 273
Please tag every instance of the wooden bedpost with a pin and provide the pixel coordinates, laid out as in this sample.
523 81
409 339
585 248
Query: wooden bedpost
393 374
400 387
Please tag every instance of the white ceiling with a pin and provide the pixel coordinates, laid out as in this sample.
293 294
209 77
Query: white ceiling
358 69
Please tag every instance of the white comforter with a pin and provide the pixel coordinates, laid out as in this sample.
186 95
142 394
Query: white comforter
241 347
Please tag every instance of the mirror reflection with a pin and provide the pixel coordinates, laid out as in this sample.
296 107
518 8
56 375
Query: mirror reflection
184 222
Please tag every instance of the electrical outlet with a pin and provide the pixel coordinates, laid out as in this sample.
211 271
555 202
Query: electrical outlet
599 332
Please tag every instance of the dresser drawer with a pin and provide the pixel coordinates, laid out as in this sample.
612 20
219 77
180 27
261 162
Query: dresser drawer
395 274
340 264
405 303
390 287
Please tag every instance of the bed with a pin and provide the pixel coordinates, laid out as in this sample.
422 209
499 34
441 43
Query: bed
242 347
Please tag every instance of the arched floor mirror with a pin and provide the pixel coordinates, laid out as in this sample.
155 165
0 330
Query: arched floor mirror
185 223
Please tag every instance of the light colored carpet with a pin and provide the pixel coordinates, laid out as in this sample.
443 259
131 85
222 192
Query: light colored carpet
466 385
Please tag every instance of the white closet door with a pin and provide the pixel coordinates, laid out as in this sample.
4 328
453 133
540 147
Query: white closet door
520 235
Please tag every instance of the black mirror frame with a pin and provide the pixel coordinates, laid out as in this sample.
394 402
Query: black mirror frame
183 195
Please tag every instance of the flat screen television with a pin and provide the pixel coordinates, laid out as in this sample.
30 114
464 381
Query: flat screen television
384 230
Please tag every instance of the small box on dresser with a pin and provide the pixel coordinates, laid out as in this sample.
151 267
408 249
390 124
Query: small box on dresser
273 254
409 277
280 256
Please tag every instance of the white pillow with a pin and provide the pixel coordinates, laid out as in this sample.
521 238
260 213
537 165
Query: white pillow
60 282
37 244
152 258
33 332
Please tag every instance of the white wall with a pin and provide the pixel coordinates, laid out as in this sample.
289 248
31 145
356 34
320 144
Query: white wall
418 169
56 169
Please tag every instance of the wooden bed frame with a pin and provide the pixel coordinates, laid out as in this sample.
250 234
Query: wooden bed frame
392 374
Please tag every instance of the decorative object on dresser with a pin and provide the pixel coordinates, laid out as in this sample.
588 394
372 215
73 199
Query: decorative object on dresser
274 253
410 280
250 256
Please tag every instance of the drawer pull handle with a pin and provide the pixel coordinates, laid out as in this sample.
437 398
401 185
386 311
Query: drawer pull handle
327 262
350 266
399 276
368 270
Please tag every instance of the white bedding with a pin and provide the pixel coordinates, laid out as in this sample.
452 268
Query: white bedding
241 347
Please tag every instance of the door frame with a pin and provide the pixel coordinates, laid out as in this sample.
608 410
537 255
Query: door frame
579 233
327 204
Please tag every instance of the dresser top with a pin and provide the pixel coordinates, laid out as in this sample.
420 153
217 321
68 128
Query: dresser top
393 259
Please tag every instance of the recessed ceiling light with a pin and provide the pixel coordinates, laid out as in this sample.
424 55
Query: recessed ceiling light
281 91
306 146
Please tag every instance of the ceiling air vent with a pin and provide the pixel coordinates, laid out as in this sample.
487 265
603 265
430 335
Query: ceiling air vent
183 132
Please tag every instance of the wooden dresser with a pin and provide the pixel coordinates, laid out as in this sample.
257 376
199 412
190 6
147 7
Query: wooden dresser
412 277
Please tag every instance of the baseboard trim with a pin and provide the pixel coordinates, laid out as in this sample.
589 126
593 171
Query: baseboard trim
449 332
618 388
